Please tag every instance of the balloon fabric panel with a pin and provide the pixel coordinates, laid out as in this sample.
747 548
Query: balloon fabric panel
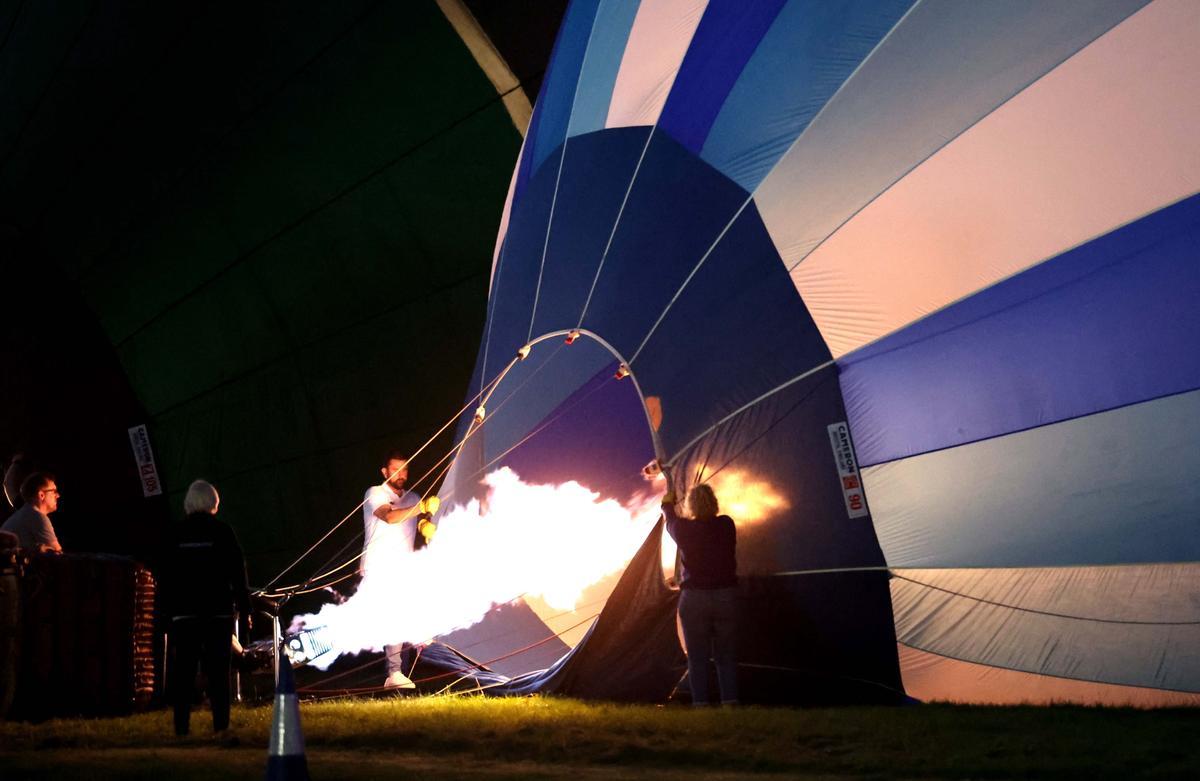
1105 325
552 114
806 57
599 72
728 34
942 193
942 69
1116 487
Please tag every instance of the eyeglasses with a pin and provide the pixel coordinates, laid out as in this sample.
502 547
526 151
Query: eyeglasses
54 491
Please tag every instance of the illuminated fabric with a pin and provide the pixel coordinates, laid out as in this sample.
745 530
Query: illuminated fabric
967 231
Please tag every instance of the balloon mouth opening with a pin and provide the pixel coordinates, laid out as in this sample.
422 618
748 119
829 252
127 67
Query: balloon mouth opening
557 416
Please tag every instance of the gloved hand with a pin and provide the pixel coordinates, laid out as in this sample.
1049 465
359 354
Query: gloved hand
669 496
427 528
425 525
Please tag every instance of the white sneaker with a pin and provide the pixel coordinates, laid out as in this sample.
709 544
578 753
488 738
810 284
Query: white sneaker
398 680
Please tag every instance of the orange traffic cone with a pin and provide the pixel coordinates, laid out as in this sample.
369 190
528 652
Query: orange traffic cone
285 757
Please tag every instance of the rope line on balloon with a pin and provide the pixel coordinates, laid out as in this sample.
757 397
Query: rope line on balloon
522 650
542 427
477 426
804 375
537 292
460 649
337 676
791 147
524 382
493 413
959 325
695 270
474 665
1060 676
649 521
748 405
308 586
750 197
425 495
304 588
701 475
558 177
621 211
895 572
315 545
788 383
556 616
477 664
947 140
446 459
832 362
572 334
646 525
458 448
493 302
1036 611
453 451
357 668
491 386
712 247
612 234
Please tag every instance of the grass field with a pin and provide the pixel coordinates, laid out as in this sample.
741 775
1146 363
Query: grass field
477 738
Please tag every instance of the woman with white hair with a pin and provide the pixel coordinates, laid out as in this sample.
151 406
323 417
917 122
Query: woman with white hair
708 599
204 583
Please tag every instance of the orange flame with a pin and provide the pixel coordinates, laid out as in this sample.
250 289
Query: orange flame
746 499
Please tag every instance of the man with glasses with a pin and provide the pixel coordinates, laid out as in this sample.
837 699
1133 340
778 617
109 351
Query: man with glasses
31 523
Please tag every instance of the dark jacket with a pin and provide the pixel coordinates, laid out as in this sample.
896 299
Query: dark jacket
708 548
205 571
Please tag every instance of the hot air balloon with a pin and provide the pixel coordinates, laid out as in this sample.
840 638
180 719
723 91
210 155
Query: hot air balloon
913 285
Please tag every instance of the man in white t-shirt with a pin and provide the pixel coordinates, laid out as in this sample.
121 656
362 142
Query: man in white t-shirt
389 535
31 522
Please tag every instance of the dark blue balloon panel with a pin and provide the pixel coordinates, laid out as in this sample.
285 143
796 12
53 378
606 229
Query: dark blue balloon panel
1105 325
